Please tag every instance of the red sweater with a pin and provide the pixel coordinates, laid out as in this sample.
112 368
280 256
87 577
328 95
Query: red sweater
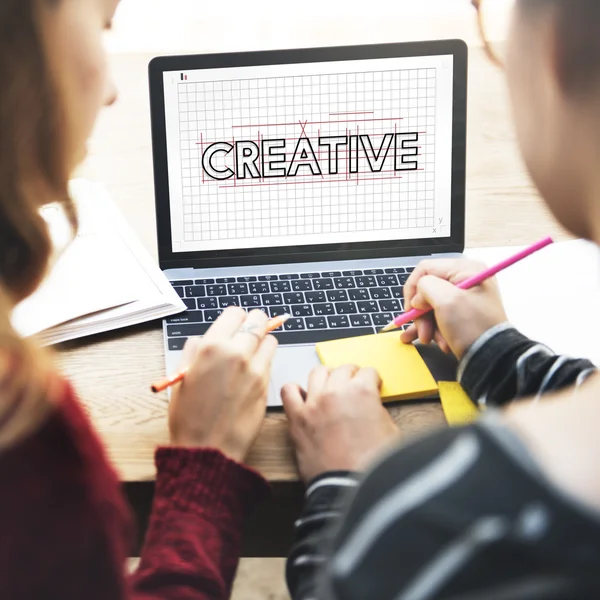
65 528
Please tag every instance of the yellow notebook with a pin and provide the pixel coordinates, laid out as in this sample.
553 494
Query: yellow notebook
458 407
404 373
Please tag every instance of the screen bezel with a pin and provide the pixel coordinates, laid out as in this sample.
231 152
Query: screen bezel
321 252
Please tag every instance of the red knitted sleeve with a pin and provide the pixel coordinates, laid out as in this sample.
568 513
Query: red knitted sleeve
193 542
66 529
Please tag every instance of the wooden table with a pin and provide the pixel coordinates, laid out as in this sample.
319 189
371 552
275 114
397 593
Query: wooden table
112 371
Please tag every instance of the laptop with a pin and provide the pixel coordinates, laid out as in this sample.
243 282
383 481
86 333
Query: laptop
308 182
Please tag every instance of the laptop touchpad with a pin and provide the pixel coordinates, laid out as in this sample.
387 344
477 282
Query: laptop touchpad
292 364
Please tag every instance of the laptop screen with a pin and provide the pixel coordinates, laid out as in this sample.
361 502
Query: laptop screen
309 153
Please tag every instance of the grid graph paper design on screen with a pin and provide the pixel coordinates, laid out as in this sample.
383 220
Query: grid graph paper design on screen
308 158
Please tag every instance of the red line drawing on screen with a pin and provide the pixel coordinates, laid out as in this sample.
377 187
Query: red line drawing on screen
312 154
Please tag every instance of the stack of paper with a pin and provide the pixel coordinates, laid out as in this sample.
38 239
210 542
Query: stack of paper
103 280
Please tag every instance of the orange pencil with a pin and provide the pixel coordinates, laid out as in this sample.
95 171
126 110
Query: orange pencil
167 382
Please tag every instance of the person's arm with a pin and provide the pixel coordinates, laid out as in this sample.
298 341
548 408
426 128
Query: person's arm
193 542
504 365
464 513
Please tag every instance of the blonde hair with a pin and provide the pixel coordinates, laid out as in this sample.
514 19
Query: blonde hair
33 172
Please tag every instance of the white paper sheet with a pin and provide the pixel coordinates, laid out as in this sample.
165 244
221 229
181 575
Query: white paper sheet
554 295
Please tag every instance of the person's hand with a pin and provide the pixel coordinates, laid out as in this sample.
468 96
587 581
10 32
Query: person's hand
222 400
339 423
460 317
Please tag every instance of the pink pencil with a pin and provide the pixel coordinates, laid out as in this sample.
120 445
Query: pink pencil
414 313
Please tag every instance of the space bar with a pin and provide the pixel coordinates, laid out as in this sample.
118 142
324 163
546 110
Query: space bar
320 335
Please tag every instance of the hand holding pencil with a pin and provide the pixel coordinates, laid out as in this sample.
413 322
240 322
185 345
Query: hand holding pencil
459 316
222 401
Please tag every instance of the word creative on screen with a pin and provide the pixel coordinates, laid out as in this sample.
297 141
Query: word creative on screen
327 155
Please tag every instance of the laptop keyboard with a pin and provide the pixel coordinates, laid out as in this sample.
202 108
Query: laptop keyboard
323 305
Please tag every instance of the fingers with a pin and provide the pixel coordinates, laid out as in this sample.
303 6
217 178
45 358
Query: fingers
441 342
409 335
370 376
316 381
293 402
342 375
453 270
437 292
263 358
251 333
226 325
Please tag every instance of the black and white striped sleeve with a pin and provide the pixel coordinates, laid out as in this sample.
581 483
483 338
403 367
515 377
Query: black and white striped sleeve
504 365
324 503
463 514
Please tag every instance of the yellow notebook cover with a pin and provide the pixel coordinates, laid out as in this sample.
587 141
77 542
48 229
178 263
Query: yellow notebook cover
459 409
404 373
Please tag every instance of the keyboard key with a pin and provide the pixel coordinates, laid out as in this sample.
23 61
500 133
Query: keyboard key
387 280
187 330
309 275
367 307
268 278
331 274
380 293
338 321
393 305
236 289
226 280
212 315
396 270
280 286
177 343
216 290
346 308
302 310
402 279
314 297
205 303
272 300
250 301
324 309
294 325
193 291
373 271
337 296
312 336
302 285
262 287
179 291
182 283
363 282
289 277
190 316
397 292
316 323
204 281
342 283
190 303
382 319
277 311
263 308
323 284
246 279
360 294
294 298
225 301
360 321
353 273
410 269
